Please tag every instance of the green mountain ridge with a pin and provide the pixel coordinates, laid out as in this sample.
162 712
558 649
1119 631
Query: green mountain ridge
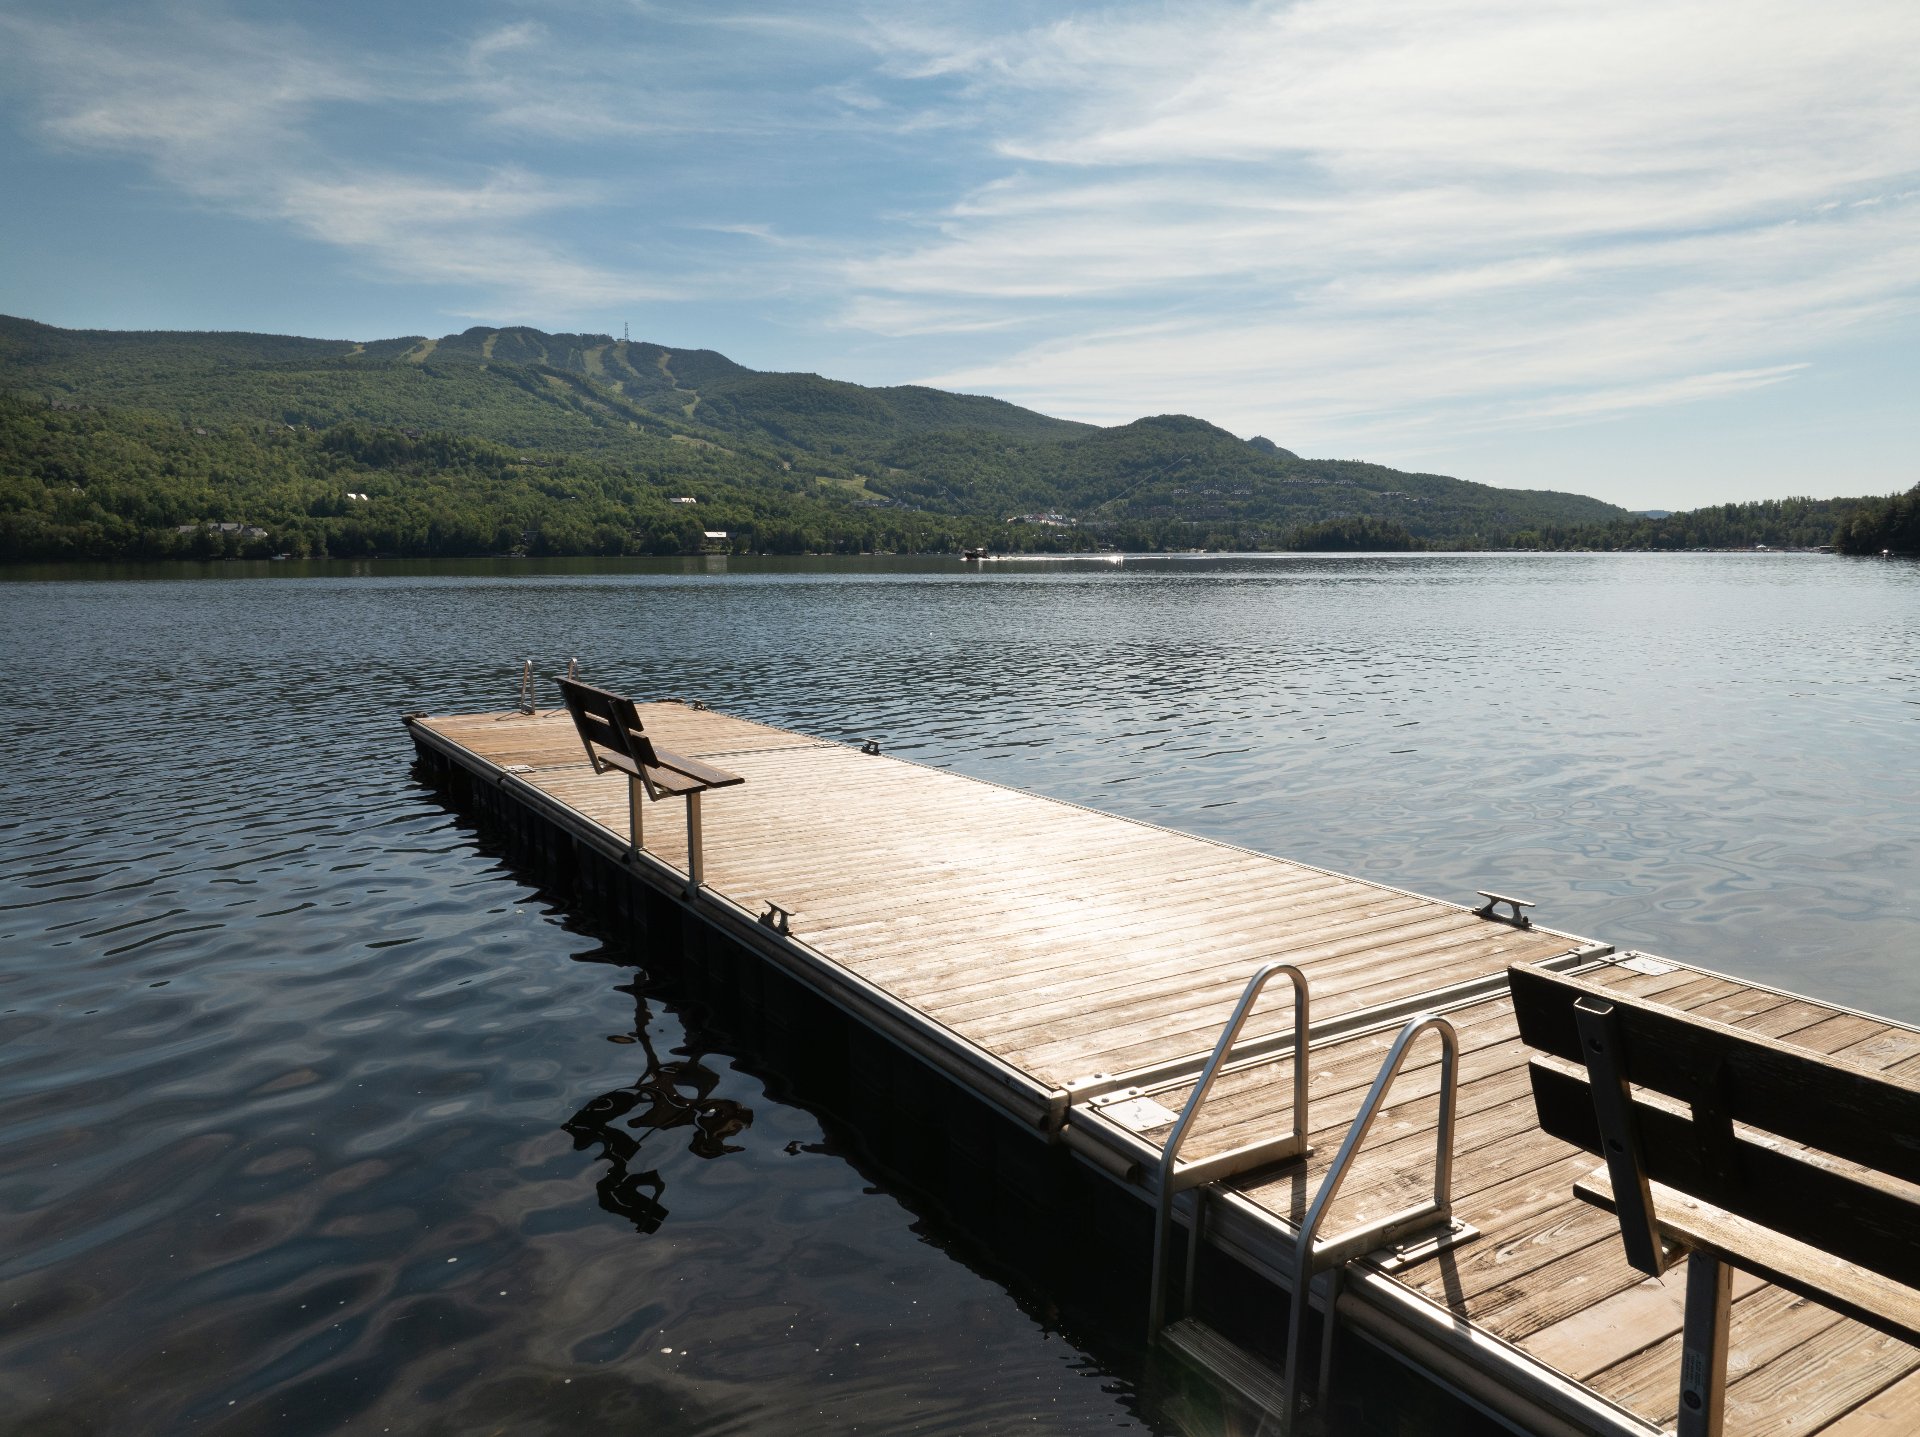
133 442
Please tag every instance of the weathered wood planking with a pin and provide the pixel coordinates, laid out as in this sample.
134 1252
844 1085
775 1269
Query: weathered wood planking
1064 942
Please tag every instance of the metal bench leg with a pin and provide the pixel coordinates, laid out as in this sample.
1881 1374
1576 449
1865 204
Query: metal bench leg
636 798
1703 1350
694 864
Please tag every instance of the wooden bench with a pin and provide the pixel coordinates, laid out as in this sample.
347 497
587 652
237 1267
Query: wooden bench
609 728
1658 1092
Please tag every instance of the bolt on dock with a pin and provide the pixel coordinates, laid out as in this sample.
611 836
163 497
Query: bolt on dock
1319 1079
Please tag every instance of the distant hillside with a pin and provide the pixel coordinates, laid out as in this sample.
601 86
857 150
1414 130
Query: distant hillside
1858 525
516 386
92 459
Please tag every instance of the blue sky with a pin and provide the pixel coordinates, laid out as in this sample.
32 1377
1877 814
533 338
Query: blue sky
1666 253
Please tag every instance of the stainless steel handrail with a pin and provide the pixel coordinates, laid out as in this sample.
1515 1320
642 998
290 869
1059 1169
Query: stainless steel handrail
1174 1178
1310 1255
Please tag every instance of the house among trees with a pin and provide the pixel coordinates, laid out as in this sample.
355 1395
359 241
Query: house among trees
241 531
1052 521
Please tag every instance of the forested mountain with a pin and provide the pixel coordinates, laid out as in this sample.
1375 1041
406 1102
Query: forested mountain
502 439
520 387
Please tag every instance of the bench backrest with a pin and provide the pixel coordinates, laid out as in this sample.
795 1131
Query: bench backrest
1699 1078
609 728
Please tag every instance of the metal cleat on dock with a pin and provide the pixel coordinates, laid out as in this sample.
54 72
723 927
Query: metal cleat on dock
1515 917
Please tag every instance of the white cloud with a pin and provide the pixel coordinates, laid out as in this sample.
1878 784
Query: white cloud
1370 368
227 111
462 234
504 40
201 103
1342 218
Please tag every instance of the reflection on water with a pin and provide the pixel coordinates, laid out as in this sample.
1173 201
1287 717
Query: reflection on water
309 1120
666 1096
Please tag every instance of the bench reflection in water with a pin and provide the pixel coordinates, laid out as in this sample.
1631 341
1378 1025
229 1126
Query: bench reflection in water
667 1095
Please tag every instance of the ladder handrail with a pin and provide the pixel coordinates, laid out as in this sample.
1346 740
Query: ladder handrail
1295 1143
1309 1257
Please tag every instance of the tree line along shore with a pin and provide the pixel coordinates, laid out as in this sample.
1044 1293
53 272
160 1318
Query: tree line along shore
85 484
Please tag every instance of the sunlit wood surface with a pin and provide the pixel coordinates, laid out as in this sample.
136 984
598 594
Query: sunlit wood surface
1067 942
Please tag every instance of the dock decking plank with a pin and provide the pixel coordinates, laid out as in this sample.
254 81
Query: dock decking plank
1891 1412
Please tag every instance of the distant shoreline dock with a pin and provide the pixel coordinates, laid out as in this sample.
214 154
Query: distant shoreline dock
1075 976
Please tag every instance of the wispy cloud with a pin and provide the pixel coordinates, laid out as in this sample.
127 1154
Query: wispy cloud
1341 219
1355 355
459 163
232 113
202 102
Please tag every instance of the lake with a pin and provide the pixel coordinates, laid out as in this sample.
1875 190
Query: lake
309 1097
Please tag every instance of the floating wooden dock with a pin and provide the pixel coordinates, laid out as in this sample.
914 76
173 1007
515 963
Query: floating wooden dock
1074 970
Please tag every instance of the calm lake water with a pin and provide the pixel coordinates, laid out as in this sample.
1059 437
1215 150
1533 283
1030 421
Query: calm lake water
307 1095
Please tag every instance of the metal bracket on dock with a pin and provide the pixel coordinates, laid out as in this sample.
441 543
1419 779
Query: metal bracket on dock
872 746
1417 1247
1095 1083
776 918
526 688
1516 917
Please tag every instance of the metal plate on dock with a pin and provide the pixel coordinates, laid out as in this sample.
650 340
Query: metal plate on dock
1136 1115
1647 964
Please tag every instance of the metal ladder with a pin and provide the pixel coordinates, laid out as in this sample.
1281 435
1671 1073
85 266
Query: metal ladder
1313 1255
1177 1177
529 700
